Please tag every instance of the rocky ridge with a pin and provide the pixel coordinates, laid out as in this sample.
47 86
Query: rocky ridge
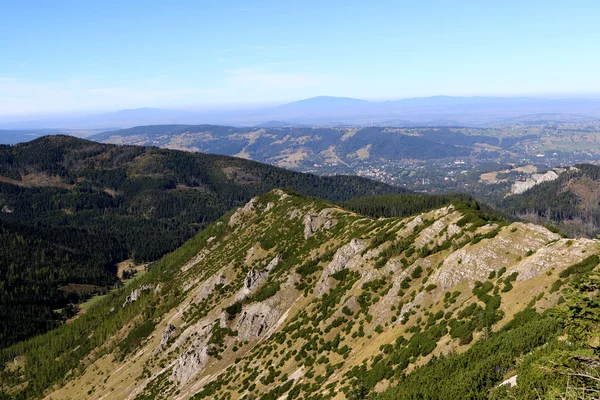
294 296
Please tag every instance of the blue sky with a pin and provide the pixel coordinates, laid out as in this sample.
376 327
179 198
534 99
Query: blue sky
69 56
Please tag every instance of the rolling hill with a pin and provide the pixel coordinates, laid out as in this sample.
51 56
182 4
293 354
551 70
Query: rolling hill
295 147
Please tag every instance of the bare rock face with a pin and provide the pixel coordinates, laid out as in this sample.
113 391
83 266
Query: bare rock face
282 195
136 293
314 222
253 279
255 320
346 256
237 216
295 213
535 179
411 225
274 262
475 262
558 255
431 233
191 363
6 210
167 334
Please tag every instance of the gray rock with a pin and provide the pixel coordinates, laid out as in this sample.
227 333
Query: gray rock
346 256
137 293
167 334
255 320
314 222
190 363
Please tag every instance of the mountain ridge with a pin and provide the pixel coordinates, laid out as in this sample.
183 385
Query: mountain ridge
315 301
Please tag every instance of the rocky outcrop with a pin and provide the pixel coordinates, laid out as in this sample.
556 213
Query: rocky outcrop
252 281
255 320
314 222
475 262
431 234
295 214
136 294
167 334
191 363
522 186
255 277
346 256
241 213
558 255
273 263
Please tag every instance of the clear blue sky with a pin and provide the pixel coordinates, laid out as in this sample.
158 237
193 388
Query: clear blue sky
64 56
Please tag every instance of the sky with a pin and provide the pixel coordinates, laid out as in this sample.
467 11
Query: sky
80 56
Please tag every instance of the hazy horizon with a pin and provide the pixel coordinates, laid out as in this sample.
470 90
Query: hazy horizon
73 57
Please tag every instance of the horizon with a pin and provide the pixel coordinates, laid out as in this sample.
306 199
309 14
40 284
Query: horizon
34 117
75 58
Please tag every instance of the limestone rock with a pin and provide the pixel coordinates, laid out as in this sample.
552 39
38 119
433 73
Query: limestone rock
255 320
295 214
252 280
475 262
190 363
522 186
346 256
559 255
167 334
136 293
274 262
314 222
240 213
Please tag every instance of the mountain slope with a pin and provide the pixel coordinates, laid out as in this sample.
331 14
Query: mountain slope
295 297
572 202
70 209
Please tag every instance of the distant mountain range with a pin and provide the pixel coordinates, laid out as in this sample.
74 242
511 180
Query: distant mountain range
330 111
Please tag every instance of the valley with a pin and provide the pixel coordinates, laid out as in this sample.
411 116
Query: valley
428 159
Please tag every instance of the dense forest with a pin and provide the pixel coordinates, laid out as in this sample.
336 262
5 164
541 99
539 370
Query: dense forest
572 202
71 209
389 206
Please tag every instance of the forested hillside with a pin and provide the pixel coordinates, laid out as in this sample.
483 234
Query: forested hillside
70 209
572 202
